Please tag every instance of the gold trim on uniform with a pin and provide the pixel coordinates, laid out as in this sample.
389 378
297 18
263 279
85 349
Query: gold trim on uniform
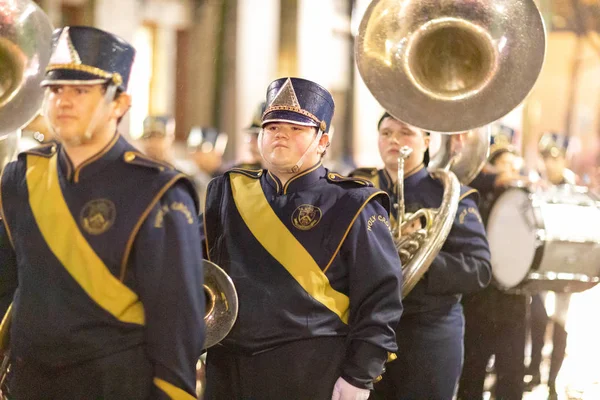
471 210
143 217
64 239
252 173
280 243
467 193
115 77
133 157
97 216
335 177
297 110
335 253
175 206
172 391
276 180
301 174
95 158
129 156
369 174
38 150
306 217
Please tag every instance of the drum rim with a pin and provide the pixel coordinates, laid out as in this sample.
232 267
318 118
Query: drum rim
538 254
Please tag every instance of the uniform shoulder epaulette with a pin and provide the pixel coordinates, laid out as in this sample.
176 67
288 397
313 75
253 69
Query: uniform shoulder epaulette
250 166
466 191
337 178
252 173
46 150
364 172
142 160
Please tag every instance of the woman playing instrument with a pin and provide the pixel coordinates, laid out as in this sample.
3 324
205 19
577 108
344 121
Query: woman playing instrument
311 255
430 334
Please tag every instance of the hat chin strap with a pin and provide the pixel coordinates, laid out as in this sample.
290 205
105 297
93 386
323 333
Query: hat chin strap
100 109
296 167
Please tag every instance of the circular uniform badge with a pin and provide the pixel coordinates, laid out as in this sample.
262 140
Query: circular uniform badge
97 216
306 217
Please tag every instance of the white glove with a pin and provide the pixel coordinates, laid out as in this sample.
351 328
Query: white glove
345 391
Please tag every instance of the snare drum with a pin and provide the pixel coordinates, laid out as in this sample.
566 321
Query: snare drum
546 240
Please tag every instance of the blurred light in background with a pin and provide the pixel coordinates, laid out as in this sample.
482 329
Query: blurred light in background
139 85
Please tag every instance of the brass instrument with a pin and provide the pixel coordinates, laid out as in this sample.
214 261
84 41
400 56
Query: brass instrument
447 66
221 303
25 48
221 313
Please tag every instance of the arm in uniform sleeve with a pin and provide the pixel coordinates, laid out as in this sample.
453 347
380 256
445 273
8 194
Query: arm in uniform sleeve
8 270
168 268
375 282
463 265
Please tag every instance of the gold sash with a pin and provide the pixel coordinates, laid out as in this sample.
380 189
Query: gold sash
274 236
62 235
172 391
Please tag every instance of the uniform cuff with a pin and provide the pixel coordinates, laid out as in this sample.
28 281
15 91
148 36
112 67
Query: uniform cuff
364 362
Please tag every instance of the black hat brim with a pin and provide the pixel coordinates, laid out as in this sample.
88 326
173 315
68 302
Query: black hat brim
72 77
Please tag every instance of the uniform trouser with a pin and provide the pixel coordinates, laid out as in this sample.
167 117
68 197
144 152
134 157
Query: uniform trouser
429 357
494 324
539 323
124 375
301 370
538 320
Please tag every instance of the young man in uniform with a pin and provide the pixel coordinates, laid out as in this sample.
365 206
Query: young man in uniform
430 335
99 245
313 261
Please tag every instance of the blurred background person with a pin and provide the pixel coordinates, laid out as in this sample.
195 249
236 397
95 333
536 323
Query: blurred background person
494 319
157 138
253 158
205 146
553 150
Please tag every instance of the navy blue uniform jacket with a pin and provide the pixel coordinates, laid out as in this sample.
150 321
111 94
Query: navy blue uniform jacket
311 258
463 265
102 258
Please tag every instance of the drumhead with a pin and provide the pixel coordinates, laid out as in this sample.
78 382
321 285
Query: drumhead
511 233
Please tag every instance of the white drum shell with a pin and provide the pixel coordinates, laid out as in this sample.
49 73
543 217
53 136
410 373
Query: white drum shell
545 241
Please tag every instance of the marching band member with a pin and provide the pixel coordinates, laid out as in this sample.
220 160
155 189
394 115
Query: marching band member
158 137
106 287
430 335
491 310
553 149
313 261
205 146
251 133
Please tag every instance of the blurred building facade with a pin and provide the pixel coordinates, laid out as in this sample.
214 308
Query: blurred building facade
208 63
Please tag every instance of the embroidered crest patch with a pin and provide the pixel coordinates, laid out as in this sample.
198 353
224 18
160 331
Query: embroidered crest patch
306 217
97 216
